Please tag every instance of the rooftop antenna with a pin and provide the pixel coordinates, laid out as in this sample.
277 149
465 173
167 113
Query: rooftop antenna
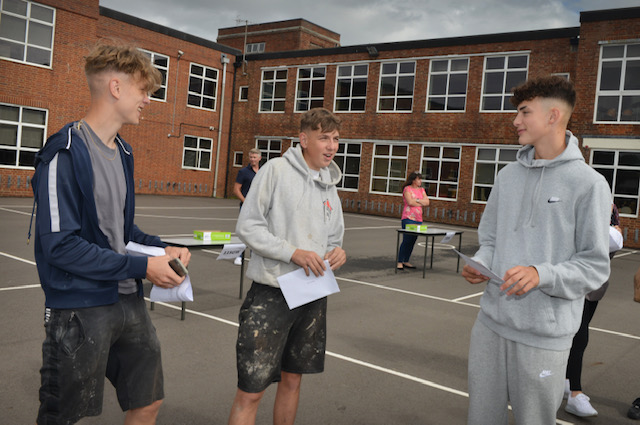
244 49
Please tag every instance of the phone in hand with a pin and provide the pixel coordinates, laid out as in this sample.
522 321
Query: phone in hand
178 267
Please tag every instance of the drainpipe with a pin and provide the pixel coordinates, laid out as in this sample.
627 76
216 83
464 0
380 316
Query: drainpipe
225 60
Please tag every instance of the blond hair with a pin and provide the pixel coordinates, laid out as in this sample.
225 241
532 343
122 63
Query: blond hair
124 58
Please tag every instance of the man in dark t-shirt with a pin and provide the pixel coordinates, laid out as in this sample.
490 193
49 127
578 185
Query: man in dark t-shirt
243 182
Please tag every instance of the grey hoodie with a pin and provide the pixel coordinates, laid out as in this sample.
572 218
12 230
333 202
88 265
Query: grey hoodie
553 215
287 209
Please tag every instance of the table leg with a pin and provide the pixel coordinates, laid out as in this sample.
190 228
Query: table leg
182 313
459 250
153 306
426 253
241 275
433 242
397 253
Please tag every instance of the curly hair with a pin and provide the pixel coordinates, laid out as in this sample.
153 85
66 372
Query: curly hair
319 118
124 58
551 86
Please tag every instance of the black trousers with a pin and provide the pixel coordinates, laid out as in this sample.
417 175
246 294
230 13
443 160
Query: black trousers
580 341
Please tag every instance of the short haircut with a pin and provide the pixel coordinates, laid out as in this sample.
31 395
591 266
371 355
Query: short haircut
319 118
124 58
551 86
255 150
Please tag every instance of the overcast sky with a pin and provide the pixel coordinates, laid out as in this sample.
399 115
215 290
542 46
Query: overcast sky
369 21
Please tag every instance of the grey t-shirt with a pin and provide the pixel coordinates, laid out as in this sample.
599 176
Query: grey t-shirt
110 193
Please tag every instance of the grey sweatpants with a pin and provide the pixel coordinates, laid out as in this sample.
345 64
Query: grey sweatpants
503 371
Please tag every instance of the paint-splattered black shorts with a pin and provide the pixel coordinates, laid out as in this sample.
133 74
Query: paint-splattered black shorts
272 338
84 345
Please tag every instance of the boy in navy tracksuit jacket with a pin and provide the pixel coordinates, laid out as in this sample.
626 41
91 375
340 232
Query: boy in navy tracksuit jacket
96 319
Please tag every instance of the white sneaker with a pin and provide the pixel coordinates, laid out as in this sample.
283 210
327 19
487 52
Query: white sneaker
567 389
580 406
238 261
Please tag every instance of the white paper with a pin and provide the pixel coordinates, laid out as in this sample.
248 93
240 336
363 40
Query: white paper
299 289
231 251
482 269
448 237
182 292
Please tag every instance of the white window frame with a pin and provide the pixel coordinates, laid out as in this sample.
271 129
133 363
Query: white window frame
199 150
270 148
18 148
621 92
344 155
615 167
399 180
245 90
506 91
238 158
312 79
205 79
447 95
164 70
497 163
440 180
397 75
350 79
30 22
255 47
276 80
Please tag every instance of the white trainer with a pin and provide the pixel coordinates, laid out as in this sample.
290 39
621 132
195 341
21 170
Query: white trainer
238 261
580 406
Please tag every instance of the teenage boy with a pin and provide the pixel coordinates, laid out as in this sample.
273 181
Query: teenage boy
243 183
292 218
96 318
545 230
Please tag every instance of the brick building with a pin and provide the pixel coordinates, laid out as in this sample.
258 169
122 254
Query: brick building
440 106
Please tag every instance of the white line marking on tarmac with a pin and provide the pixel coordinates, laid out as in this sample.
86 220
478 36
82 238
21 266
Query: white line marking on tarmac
468 296
14 211
13 257
13 288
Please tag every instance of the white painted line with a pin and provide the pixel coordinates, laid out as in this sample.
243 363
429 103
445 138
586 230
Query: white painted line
14 211
468 296
14 288
13 257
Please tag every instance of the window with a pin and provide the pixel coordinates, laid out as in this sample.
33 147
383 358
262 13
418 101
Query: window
447 85
255 48
26 32
618 94
440 171
351 88
197 153
203 83
161 62
274 90
501 74
389 169
22 134
396 87
243 94
270 148
238 159
489 161
348 159
564 75
622 171
310 92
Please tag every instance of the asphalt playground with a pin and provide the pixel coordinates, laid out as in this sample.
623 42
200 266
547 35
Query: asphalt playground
397 343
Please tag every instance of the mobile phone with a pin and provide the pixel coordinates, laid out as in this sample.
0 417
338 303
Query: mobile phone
178 267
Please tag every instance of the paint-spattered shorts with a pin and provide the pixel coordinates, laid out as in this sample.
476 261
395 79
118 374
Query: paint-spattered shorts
84 345
272 338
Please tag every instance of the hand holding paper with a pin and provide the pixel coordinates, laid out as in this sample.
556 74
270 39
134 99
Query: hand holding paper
479 267
299 289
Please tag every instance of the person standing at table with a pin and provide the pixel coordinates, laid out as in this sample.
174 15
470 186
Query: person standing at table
96 319
292 218
545 230
243 183
414 198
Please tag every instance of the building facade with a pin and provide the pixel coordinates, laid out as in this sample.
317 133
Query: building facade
438 106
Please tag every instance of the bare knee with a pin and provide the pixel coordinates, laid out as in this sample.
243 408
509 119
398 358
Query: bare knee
143 415
290 381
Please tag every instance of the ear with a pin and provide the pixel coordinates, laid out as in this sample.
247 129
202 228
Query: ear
555 114
114 87
303 140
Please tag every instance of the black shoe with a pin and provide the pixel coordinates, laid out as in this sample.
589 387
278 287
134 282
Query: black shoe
634 410
400 268
409 266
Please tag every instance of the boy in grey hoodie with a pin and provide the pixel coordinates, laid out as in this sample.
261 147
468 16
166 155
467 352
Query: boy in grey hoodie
291 218
545 230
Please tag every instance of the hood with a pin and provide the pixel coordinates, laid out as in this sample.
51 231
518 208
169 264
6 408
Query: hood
330 175
526 155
